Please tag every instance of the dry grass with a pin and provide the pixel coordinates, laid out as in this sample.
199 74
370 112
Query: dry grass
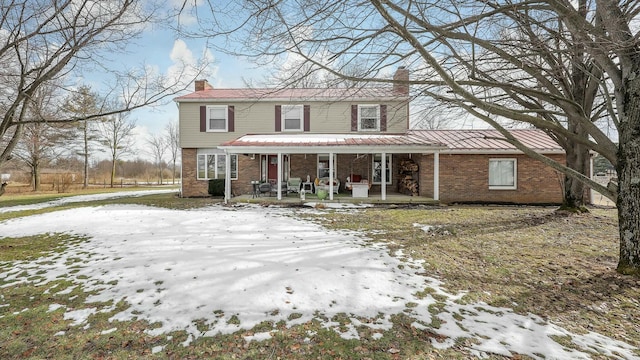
534 260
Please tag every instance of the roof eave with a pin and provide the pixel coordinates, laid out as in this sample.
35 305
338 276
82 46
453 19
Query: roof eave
339 149
301 99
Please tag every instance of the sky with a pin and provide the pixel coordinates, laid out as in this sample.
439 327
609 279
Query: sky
180 267
161 49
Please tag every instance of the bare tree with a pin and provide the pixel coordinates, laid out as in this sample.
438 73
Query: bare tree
172 139
82 104
561 66
39 143
48 41
158 145
116 135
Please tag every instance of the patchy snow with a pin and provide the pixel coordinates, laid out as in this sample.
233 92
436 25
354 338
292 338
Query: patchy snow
236 267
84 198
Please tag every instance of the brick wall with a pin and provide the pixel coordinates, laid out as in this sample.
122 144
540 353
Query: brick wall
465 178
248 170
191 186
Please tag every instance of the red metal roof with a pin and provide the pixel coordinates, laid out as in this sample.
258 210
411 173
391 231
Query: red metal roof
483 140
322 94
442 140
306 140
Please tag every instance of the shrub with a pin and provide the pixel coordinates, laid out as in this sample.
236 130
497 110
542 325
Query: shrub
216 187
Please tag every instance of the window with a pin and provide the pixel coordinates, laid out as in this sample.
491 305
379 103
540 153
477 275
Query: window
292 118
323 165
212 166
377 169
368 118
503 174
217 118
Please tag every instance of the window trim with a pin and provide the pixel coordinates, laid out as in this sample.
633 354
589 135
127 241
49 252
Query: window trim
389 169
283 111
207 155
226 118
514 161
360 107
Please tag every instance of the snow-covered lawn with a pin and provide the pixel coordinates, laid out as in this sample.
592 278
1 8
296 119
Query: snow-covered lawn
236 267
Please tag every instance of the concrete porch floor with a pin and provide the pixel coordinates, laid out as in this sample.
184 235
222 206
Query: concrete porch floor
294 199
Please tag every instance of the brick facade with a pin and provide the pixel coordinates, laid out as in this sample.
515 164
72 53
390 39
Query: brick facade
465 178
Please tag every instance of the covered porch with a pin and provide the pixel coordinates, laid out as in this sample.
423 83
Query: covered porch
375 199
379 149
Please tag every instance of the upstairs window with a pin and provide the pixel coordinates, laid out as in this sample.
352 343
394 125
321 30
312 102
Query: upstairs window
292 118
217 118
503 174
368 118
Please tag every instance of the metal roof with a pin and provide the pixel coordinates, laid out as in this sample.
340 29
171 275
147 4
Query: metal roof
420 141
489 140
273 94
344 143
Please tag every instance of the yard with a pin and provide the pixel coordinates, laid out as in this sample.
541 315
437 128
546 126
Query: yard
155 276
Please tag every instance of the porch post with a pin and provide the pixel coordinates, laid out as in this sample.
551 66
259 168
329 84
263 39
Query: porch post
279 177
383 178
436 175
331 165
227 177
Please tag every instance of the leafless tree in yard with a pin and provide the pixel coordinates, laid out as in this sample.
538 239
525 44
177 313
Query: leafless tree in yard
158 146
172 139
116 135
563 67
40 143
54 41
81 104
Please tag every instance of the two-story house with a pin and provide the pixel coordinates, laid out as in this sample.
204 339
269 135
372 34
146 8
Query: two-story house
345 136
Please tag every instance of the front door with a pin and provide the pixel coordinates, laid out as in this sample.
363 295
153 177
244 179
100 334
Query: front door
272 167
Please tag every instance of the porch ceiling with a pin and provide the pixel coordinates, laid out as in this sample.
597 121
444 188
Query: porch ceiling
331 143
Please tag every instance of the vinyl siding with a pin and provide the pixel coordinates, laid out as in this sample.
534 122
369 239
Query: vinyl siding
259 118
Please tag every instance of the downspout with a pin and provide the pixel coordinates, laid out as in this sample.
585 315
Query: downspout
227 177
383 178
436 175
279 177
331 165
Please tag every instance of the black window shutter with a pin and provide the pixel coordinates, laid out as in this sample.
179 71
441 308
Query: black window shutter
278 118
383 117
231 118
203 118
354 117
307 117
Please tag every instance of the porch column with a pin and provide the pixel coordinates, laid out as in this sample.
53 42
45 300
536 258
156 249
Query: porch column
331 165
279 177
383 178
436 175
227 177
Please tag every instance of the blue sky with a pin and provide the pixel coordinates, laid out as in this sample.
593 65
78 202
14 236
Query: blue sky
162 49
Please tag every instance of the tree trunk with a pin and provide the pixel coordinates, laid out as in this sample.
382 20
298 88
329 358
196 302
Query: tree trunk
85 183
35 176
575 192
629 177
113 171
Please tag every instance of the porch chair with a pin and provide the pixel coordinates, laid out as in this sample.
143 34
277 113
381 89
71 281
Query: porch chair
274 189
264 188
293 184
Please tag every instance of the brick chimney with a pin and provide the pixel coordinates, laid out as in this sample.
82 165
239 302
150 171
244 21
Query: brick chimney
401 81
202 85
